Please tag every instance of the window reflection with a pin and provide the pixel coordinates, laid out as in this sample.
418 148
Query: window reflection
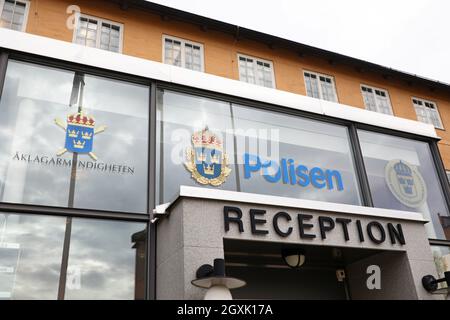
309 143
411 185
103 259
270 136
106 259
31 171
179 116
30 256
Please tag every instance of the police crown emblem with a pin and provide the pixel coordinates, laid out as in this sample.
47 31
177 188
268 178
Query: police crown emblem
206 160
406 183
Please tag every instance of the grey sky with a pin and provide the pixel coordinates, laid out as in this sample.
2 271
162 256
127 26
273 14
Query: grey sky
408 35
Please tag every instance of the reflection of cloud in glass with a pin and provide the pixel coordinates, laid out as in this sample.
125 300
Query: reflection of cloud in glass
40 241
378 150
307 142
103 252
33 97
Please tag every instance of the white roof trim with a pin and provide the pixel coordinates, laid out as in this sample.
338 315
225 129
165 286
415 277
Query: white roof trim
70 52
262 199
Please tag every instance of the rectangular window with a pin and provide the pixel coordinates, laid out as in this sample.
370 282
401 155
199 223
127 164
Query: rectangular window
98 33
256 71
427 112
73 140
320 86
217 144
376 99
183 53
402 176
106 259
14 14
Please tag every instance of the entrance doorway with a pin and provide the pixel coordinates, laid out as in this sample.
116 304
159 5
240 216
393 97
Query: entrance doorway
261 265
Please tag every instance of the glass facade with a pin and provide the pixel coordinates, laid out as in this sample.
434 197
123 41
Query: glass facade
75 144
301 158
402 176
104 258
36 162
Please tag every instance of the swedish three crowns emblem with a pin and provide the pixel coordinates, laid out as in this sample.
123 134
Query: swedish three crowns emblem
206 159
80 132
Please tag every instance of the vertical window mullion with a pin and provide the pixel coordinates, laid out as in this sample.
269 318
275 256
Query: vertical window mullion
319 87
99 33
13 13
361 172
255 72
375 101
183 54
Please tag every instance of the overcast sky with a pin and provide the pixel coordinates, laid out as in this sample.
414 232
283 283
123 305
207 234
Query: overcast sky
409 35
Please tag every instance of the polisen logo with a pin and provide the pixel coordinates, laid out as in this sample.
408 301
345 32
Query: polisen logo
291 173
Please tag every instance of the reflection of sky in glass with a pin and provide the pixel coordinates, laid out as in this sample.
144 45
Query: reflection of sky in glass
39 240
378 150
308 142
189 113
33 97
102 252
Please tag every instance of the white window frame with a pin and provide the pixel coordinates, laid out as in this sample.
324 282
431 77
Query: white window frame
183 49
317 74
255 60
25 16
376 105
441 125
99 24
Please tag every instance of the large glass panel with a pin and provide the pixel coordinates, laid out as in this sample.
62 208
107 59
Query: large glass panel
266 152
285 155
179 117
51 120
106 260
30 256
402 176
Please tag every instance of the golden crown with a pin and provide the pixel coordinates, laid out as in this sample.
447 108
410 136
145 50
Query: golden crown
208 169
73 133
86 135
81 119
206 138
78 144
201 156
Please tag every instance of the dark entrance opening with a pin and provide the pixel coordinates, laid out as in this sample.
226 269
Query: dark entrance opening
261 265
